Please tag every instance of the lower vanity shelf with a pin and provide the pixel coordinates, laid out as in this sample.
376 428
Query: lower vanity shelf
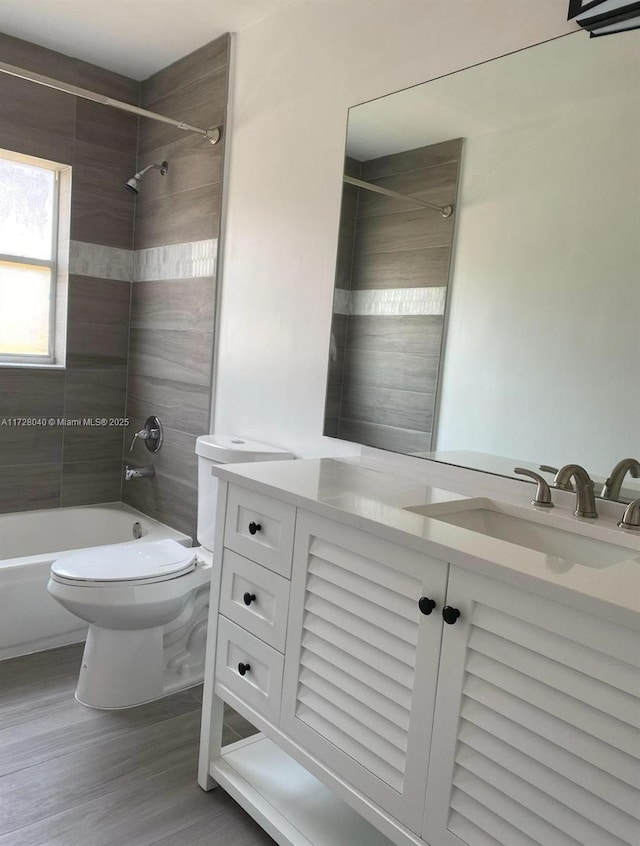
289 803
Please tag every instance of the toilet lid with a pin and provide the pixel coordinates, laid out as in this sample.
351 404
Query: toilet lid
126 562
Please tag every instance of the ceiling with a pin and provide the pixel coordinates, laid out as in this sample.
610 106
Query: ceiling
133 38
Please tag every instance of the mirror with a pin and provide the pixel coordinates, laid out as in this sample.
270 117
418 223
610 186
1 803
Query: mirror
508 333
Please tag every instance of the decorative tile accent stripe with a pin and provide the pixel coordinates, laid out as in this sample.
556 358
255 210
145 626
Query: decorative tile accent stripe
176 261
100 261
341 301
390 301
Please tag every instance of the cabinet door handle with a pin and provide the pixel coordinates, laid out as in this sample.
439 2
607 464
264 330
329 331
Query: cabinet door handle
243 668
426 605
248 598
254 527
449 614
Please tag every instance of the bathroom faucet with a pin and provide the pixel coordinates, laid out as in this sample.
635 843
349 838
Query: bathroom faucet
631 517
586 498
611 488
146 472
543 494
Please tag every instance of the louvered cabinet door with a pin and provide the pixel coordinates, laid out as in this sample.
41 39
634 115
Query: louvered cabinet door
361 661
535 739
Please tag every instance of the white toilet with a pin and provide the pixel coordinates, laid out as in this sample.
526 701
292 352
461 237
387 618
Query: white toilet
147 602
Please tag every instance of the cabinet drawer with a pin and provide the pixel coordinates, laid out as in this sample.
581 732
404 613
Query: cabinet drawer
261 684
260 528
255 598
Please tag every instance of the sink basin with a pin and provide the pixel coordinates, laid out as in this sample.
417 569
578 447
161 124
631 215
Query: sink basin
571 547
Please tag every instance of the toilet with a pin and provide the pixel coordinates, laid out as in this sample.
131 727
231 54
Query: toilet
147 602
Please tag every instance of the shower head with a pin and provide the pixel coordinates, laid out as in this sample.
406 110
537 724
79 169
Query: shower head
133 184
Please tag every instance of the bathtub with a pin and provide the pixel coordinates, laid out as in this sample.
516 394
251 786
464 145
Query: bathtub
30 620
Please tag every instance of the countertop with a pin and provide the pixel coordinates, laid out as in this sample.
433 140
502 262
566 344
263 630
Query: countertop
375 501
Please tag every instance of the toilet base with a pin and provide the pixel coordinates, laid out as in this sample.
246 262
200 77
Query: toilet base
121 668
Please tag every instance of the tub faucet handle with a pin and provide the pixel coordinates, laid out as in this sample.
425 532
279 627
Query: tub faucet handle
151 434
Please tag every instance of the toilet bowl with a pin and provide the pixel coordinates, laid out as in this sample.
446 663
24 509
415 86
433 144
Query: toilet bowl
147 603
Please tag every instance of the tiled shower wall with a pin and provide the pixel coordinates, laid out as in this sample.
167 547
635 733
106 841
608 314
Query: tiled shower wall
173 296
53 465
388 327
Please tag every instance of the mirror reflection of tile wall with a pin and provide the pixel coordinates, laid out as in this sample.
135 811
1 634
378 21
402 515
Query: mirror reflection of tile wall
391 284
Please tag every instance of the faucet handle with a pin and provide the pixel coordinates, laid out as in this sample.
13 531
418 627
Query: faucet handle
631 516
543 492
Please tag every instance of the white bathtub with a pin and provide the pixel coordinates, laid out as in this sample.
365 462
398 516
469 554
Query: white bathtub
30 620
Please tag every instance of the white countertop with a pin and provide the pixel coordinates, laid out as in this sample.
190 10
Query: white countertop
356 495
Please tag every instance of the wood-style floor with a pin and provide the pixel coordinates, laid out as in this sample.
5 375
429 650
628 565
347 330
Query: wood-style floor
74 776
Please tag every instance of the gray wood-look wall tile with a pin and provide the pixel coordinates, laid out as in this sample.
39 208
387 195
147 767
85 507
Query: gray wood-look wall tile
186 304
406 269
93 300
36 142
429 156
404 371
388 407
30 445
200 102
180 405
213 56
192 164
95 443
385 437
29 105
86 482
94 344
31 393
102 171
105 126
166 499
175 354
177 458
188 216
25 488
95 392
99 219
416 334
409 230
434 185
100 143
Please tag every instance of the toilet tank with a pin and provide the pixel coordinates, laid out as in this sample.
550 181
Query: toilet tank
224 449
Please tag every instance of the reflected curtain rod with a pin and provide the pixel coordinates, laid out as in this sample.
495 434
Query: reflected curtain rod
445 211
212 135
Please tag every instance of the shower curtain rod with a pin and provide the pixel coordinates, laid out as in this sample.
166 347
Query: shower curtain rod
212 135
445 211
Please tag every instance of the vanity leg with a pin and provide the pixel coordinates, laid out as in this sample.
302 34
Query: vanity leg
210 741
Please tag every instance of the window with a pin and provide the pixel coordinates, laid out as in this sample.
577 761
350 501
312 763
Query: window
29 219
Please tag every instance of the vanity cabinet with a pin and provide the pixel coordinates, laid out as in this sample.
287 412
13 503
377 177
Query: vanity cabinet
362 661
439 705
535 737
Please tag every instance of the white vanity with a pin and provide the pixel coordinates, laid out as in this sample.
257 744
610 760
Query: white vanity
464 680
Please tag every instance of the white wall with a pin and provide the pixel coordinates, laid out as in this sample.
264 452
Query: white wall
296 74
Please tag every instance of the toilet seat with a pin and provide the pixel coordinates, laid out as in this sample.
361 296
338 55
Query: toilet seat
124 564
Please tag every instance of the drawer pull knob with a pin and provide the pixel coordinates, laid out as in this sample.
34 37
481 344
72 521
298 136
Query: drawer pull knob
254 527
426 605
243 668
450 615
248 598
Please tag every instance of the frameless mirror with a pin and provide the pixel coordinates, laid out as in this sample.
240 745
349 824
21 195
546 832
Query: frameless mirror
509 331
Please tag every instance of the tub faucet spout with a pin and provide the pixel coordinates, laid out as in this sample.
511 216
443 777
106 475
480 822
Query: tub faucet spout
146 472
